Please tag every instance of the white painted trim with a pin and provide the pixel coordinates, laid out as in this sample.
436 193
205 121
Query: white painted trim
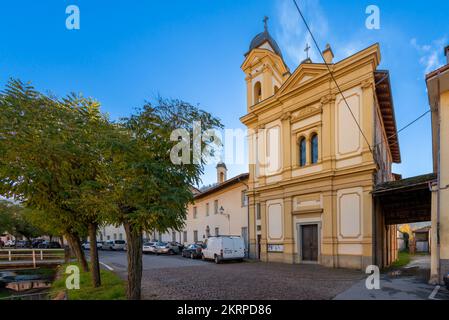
434 293
106 266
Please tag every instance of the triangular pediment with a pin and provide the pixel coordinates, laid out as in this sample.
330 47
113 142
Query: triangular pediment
266 45
303 74
261 54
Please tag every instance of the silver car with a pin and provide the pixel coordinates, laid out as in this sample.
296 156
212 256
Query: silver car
149 247
167 248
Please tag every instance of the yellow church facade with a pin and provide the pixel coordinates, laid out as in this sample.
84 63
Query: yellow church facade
315 156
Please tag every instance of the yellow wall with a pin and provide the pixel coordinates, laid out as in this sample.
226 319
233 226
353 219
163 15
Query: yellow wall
444 171
335 192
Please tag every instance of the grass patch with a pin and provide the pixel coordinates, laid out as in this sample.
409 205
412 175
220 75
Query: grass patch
112 287
403 260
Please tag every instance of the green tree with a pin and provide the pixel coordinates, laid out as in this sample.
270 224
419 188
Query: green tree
6 217
46 222
150 191
13 220
50 160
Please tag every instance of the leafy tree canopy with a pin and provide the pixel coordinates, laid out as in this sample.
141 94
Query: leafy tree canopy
50 154
151 191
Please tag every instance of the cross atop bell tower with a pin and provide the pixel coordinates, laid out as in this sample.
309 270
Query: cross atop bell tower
264 67
265 22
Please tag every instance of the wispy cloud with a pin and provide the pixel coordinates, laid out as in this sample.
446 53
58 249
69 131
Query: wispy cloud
293 36
431 56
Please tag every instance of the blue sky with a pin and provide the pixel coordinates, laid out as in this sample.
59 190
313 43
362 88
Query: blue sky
127 52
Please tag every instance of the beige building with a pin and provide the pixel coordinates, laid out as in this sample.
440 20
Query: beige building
438 90
219 210
111 232
316 156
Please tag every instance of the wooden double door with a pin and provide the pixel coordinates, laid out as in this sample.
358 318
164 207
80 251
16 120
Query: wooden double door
309 242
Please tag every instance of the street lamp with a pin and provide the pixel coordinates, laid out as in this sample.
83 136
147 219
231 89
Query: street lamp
222 212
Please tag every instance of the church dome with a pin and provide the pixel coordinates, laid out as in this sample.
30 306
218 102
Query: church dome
263 37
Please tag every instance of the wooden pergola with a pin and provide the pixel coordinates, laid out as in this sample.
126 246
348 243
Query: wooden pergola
405 201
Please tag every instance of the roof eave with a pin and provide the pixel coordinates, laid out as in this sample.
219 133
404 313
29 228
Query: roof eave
387 110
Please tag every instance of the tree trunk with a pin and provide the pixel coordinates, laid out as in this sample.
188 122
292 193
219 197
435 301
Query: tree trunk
94 261
75 245
134 252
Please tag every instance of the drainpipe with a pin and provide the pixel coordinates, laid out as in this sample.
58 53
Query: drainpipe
248 227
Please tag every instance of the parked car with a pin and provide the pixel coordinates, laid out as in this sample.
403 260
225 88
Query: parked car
180 246
21 244
192 251
149 247
224 248
36 243
49 245
86 245
10 243
114 245
167 248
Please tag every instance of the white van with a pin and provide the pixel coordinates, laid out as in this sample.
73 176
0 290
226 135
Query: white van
114 245
224 248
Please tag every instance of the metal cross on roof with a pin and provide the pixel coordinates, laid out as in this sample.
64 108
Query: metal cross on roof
265 22
307 50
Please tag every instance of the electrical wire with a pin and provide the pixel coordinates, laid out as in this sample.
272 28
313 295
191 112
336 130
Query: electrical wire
332 75
341 93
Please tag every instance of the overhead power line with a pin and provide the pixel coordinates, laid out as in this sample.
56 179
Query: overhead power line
341 93
404 128
332 75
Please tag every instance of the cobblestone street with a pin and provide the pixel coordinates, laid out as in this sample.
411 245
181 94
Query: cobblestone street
247 281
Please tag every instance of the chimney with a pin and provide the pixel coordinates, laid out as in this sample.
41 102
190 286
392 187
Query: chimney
446 53
221 172
328 54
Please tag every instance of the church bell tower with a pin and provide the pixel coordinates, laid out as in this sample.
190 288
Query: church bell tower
264 68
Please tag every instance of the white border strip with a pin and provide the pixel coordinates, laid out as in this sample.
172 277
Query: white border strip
434 293
106 266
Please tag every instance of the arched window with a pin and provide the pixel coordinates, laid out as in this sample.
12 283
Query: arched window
302 152
314 148
257 92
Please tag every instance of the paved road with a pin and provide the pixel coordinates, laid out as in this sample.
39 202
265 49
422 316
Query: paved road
117 261
407 283
174 277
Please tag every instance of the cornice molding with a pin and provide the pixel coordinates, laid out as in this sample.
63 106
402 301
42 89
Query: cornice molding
328 99
366 84
286 116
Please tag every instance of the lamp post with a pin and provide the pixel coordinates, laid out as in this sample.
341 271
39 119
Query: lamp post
222 212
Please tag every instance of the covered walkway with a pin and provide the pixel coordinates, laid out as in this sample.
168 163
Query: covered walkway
399 202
